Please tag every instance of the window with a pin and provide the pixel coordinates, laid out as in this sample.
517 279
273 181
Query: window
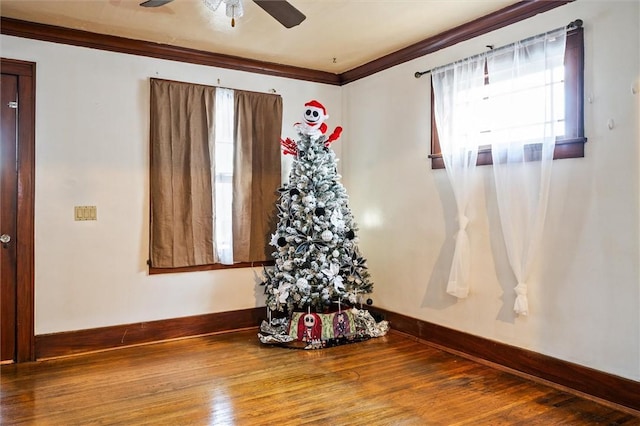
214 175
570 120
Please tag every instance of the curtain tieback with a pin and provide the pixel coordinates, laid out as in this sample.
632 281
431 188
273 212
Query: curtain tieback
521 289
463 221
521 306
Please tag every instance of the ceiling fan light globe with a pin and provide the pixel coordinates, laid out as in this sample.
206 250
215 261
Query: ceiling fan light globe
234 8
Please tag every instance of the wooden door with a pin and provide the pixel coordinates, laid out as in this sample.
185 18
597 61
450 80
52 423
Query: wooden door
8 210
17 186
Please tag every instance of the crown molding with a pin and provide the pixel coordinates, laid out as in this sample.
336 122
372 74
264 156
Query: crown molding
501 18
493 21
55 34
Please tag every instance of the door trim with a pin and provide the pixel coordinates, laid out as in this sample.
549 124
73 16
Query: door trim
25 324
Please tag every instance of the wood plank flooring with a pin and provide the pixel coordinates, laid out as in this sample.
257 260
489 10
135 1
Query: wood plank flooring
232 379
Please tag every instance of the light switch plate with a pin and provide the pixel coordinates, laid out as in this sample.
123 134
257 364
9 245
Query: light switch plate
86 213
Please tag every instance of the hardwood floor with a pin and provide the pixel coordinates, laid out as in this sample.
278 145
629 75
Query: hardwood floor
232 379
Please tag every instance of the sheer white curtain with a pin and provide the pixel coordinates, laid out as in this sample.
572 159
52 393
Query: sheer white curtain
526 104
457 90
221 149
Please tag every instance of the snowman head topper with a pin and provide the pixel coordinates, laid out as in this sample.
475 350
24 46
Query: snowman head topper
315 115
313 124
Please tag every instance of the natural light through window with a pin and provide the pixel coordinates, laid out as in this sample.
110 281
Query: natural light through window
223 175
507 95
511 109
515 108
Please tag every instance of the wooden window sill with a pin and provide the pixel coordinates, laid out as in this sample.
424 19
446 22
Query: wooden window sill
215 266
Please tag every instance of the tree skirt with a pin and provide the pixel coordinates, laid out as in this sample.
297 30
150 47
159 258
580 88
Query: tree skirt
310 330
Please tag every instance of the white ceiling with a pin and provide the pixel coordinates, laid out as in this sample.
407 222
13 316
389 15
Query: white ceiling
337 36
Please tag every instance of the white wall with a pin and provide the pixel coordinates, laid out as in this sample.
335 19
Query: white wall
92 148
585 296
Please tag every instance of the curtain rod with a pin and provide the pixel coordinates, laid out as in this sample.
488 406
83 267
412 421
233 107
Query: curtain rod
575 24
218 86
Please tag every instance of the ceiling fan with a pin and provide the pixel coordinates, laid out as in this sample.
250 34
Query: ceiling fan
281 10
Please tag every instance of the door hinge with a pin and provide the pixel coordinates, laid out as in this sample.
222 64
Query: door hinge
13 104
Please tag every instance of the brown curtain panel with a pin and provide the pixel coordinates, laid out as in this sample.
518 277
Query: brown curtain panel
256 176
181 230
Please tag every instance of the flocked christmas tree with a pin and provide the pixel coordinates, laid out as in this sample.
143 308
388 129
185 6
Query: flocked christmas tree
317 261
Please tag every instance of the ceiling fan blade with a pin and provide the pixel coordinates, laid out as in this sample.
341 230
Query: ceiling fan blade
282 11
154 3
